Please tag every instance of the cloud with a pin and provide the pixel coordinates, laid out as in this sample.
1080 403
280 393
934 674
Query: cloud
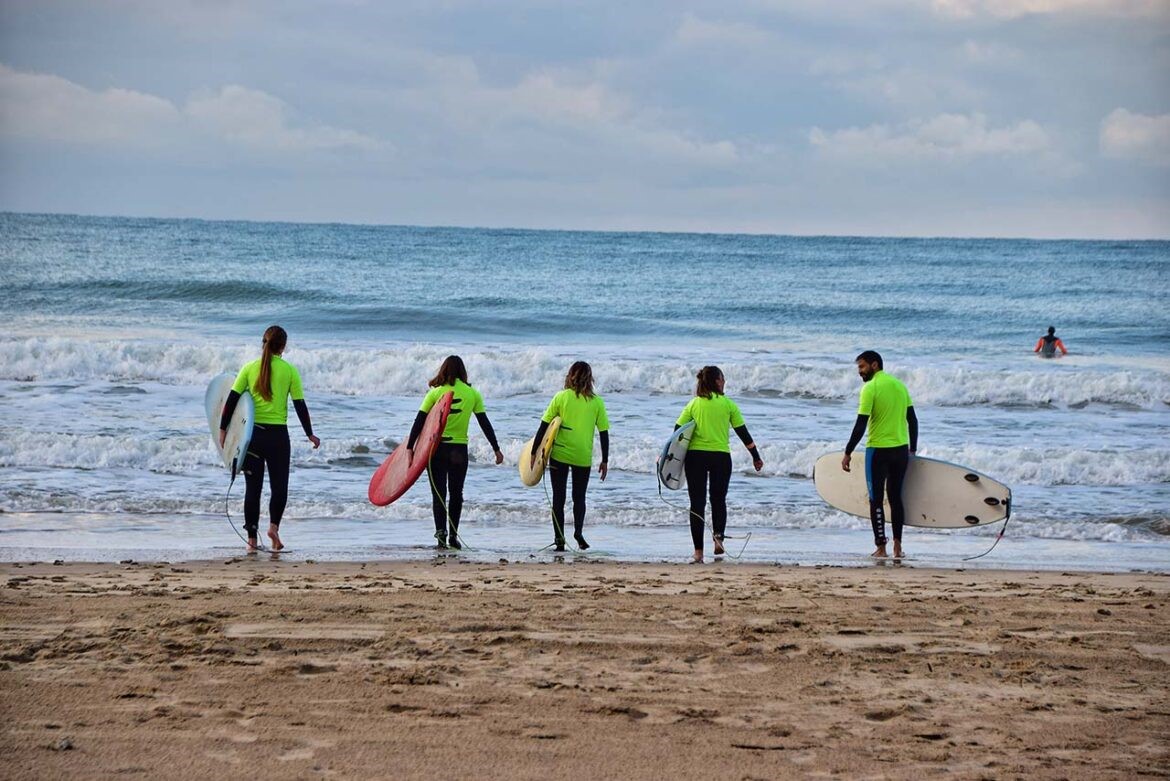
257 119
47 107
944 137
1131 136
42 106
1012 9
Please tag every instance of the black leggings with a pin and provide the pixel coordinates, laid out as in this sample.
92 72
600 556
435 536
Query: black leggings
269 447
698 466
448 471
885 472
559 477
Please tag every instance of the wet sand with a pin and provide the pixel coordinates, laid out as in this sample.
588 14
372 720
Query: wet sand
261 669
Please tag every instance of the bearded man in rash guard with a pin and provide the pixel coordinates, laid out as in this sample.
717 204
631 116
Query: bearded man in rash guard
885 409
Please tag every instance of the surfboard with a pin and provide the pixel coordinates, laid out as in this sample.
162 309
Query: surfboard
396 475
937 494
239 430
674 453
530 473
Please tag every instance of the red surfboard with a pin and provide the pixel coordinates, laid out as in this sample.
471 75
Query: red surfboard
395 476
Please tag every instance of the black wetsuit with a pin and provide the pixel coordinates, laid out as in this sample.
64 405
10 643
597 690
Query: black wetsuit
714 466
269 448
448 468
558 475
885 473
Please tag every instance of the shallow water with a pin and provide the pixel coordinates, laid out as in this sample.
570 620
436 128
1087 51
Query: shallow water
114 327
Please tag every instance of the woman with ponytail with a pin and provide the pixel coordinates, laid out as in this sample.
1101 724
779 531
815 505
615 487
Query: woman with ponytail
272 381
709 454
448 466
581 412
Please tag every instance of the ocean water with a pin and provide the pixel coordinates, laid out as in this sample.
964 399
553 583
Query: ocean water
113 327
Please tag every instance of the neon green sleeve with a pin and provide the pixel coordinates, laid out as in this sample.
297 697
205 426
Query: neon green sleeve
865 404
241 383
432 397
602 418
295 391
553 409
687 416
477 405
736 417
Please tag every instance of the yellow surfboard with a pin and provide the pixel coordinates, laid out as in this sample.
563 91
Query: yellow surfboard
530 473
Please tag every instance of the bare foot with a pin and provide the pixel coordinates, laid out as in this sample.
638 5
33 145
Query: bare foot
898 550
697 558
253 545
718 546
879 552
274 535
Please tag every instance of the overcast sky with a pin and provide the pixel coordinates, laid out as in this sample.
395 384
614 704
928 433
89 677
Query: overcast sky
1046 118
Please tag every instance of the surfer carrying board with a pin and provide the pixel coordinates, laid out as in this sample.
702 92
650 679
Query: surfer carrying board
581 412
886 410
1048 344
709 454
448 465
271 381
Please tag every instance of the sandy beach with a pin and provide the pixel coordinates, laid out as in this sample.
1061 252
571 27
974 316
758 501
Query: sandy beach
451 669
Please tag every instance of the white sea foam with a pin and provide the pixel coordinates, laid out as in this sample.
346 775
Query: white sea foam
182 454
399 371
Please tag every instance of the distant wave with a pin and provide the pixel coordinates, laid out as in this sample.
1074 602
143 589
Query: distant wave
516 371
99 292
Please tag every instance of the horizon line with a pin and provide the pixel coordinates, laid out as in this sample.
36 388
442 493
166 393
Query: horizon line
615 231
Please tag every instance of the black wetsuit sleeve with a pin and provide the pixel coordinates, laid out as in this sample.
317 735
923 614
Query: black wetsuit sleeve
229 408
912 422
416 429
488 431
303 414
539 436
604 437
858 430
746 439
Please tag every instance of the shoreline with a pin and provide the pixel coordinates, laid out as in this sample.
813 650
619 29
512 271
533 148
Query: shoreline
117 537
469 669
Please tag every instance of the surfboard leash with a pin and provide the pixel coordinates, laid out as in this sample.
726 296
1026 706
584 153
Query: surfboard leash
446 511
998 537
558 528
227 512
746 537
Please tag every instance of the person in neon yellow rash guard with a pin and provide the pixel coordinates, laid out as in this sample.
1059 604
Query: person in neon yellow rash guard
581 412
272 381
885 408
709 454
448 465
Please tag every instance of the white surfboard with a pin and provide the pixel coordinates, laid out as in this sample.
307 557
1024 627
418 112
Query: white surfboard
239 431
674 453
937 494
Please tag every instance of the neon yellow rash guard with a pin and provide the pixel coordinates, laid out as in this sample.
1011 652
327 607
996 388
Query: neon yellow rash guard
885 400
467 401
286 384
713 418
579 417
